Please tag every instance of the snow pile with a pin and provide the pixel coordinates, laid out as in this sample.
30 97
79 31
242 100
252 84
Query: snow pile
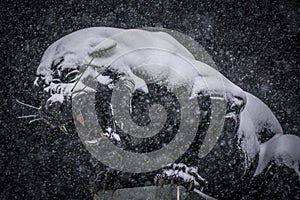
73 48
254 118
283 149
188 174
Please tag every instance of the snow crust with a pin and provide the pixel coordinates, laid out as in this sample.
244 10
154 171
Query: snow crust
74 48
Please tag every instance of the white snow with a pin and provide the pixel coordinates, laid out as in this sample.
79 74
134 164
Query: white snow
56 98
110 133
255 116
184 172
283 149
157 57
105 80
261 114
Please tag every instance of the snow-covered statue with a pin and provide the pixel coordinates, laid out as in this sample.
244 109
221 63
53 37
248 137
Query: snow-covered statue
226 149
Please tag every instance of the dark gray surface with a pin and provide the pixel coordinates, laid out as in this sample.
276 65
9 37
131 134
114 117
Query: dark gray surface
254 43
145 193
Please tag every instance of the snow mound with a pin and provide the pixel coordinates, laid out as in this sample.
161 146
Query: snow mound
283 149
255 117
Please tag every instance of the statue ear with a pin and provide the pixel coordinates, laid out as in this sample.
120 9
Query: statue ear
104 48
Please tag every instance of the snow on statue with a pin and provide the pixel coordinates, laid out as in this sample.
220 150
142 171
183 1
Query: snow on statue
100 54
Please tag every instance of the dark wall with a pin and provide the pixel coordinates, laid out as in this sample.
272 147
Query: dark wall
256 44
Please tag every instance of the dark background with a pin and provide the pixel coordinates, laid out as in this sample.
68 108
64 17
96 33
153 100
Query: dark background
256 44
